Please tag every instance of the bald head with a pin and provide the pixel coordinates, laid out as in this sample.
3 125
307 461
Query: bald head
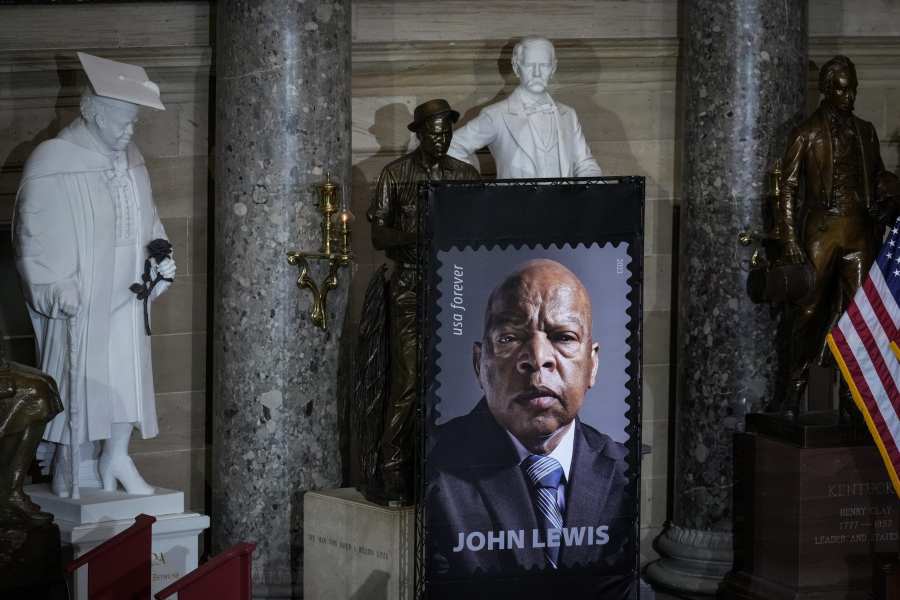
531 283
537 358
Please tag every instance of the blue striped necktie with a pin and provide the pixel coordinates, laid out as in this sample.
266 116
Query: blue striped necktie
545 474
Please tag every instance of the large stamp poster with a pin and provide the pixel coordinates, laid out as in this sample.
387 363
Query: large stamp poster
531 384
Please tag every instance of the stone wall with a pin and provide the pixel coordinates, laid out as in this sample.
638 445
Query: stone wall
618 68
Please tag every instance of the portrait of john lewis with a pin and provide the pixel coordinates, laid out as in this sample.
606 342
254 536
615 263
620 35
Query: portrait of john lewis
520 482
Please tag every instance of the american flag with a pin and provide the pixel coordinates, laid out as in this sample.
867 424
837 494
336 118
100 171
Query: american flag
864 344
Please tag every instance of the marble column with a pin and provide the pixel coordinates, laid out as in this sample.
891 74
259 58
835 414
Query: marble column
744 77
282 121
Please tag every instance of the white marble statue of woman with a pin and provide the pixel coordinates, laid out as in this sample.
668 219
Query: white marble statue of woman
83 220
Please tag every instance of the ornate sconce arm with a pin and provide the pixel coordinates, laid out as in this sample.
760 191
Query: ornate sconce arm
319 292
333 234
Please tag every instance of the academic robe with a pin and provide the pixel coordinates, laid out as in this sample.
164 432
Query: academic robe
84 218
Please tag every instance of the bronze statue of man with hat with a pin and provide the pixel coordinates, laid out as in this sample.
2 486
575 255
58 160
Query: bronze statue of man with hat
394 218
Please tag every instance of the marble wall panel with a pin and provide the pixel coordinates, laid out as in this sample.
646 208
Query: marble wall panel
182 309
180 185
123 24
193 128
658 282
413 20
656 397
648 552
657 331
654 494
185 470
655 433
854 18
659 226
182 424
197 246
179 362
653 159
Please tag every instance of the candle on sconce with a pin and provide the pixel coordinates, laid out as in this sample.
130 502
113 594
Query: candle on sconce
345 217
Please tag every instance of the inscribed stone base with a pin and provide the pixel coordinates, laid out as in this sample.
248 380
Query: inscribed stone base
99 515
808 521
354 549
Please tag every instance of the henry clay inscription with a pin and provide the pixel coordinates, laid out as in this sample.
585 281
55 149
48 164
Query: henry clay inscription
810 518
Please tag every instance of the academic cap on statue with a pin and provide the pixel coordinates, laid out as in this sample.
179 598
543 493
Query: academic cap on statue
121 81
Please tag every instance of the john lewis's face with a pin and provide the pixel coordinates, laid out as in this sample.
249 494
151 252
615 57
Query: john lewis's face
537 358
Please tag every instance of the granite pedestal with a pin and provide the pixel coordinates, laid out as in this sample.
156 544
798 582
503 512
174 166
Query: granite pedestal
354 549
810 521
99 515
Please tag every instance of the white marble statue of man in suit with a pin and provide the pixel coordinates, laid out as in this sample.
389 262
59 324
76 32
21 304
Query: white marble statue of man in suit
83 220
529 134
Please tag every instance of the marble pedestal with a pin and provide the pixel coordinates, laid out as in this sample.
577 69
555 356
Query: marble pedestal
355 549
98 515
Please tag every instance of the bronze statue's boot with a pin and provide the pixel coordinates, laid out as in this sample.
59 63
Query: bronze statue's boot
792 406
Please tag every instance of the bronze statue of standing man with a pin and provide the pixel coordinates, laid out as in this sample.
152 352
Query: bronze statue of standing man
827 216
394 218
29 541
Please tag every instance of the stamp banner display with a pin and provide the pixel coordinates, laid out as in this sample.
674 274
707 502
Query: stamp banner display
530 305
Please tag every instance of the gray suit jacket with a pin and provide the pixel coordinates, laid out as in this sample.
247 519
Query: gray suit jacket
475 484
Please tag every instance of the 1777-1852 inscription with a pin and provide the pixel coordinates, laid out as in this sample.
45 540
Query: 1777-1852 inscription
867 515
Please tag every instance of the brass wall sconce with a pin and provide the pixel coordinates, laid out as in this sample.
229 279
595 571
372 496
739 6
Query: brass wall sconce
335 232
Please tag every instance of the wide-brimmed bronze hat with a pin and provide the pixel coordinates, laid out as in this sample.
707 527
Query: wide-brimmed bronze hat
431 108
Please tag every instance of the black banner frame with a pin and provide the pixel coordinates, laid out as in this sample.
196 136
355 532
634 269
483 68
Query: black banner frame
545 212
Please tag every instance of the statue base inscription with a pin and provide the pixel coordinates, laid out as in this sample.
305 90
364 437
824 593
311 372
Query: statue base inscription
808 521
354 549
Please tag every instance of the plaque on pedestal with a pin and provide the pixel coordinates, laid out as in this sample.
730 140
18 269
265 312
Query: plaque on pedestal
99 515
356 549
808 521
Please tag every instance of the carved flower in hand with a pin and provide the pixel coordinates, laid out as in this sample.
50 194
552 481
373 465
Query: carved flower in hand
159 249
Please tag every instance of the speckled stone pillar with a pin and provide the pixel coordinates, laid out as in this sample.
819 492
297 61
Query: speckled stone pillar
743 86
282 121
